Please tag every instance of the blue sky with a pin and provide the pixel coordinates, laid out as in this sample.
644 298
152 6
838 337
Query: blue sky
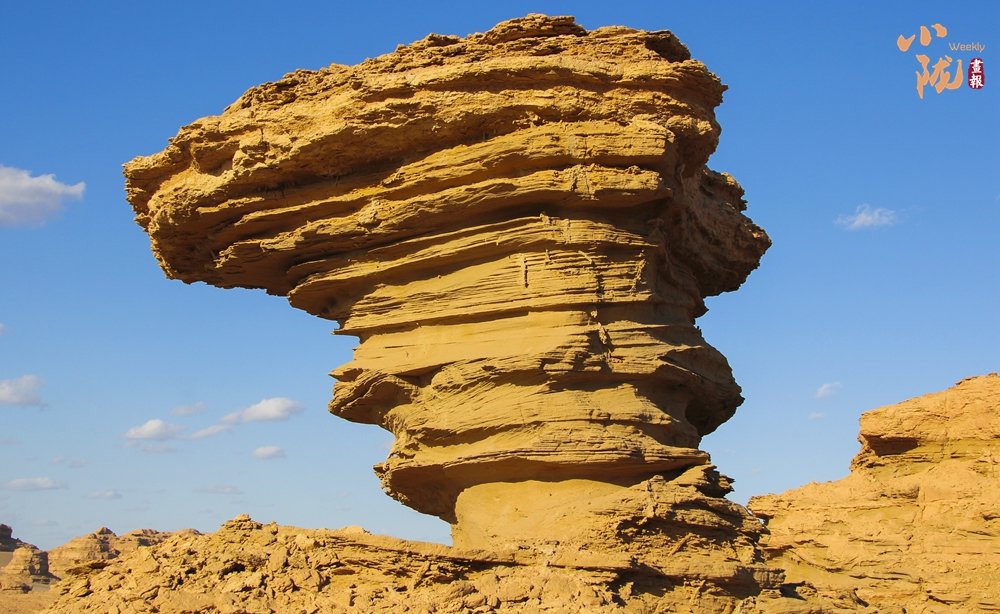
882 283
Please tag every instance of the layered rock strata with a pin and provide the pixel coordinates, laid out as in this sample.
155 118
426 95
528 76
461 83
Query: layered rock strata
23 566
94 550
27 574
915 527
520 229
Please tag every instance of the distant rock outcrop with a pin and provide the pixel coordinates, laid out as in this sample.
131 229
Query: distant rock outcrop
92 551
22 565
915 527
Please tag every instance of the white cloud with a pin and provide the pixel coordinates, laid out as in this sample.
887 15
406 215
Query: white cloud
268 452
816 415
72 463
278 408
154 429
267 410
105 494
2 328
209 431
867 217
32 484
221 489
21 391
188 410
27 200
828 390
151 448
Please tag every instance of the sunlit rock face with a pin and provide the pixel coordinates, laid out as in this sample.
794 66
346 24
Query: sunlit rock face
520 229
22 566
915 527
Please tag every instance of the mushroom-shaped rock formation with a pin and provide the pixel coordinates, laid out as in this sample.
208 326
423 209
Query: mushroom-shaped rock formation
520 228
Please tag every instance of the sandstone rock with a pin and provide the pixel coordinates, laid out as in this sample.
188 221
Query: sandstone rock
26 567
915 527
96 549
520 229
252 567
7 541
23 566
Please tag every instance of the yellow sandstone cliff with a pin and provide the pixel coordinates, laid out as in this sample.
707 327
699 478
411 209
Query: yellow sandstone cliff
915 527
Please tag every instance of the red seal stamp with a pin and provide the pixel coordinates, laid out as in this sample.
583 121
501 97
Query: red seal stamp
977 74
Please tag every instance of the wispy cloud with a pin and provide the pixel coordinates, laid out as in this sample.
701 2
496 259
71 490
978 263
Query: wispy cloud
210 431
26 200
188 410
105 494
21 391
26 484
72 463
866 217
816 415
221 489
154 429
273 409
828 390
150 448
267 410
2 328
268 452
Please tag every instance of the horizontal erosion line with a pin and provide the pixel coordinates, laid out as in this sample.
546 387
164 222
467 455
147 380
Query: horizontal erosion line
324 198
485 316
588 139
437 255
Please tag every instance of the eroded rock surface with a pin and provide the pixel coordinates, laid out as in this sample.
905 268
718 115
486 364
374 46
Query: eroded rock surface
28 575
520 229
23 566
915 527
94 550
249 567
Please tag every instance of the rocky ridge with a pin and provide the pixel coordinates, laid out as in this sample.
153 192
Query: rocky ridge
915 527
249 567
94 550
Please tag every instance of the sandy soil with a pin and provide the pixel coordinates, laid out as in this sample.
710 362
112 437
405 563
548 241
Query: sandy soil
24 603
